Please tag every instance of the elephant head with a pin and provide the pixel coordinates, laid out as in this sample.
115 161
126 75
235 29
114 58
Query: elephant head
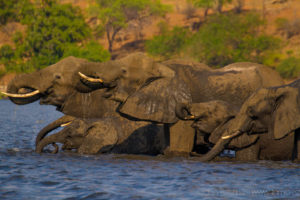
275 110
57 85
207 116
146 89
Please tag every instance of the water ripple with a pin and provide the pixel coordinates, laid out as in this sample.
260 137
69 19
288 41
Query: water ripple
27 175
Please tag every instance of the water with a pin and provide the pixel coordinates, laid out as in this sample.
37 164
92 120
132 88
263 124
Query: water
27 175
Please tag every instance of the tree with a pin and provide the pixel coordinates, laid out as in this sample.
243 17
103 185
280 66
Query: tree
14 10
115 15
220 4
53 26
205 4
210 4
229 38
168 43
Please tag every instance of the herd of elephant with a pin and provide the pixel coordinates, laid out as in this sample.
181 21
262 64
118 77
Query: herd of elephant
135 105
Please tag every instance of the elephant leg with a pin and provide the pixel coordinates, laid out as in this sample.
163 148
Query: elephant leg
250 153
101 137
296 156
182 137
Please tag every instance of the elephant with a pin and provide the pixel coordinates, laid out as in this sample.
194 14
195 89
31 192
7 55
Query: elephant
211 119
105 135
150 91
55 85
273 116
206 118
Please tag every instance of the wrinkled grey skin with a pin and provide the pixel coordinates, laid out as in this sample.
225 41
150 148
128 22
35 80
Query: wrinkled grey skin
59 85
212 119
273 116
107 135
150 91
206 118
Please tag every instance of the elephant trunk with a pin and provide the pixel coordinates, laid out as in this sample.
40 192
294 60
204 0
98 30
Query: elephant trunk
52 139
23 89
221 143
52 126
182 111
215 151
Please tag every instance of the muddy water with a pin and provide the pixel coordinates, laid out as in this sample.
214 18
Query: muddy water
27 175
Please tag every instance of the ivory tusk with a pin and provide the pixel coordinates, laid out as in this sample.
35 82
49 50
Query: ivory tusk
21 95
66 124
189 117
94 80
231 136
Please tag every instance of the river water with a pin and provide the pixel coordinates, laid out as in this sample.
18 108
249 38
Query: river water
27 175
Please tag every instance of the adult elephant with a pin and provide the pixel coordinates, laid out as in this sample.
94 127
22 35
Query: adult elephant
150 91
105 135
273 116
56 85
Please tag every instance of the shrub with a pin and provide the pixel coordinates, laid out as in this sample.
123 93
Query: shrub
15 10
51 28
93 51
225 39
288 28
115 15
289 68
6 52
168 43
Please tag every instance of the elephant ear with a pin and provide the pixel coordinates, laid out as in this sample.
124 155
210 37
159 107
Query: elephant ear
156 101
286 117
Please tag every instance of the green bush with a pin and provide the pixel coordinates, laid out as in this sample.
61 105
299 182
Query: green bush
6 52
15 10
289 68
51 27
169 43
93 51
225 39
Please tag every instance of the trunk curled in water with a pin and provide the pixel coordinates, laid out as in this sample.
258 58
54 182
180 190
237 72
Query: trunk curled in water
52 139
52 126
215 151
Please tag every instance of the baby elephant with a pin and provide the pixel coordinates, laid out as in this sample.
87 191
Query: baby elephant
110 134
206 117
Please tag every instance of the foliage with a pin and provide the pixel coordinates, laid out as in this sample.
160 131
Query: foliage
225 39
288 28
169 43
210 4
289 68
6 52
15 10
50 30
116 14
54 26
93 51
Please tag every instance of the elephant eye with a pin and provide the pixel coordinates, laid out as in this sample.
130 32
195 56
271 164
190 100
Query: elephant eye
254 117
251 113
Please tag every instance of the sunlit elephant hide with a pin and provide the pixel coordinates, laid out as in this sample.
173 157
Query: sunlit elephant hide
57 85
150 91
105 135
272 115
